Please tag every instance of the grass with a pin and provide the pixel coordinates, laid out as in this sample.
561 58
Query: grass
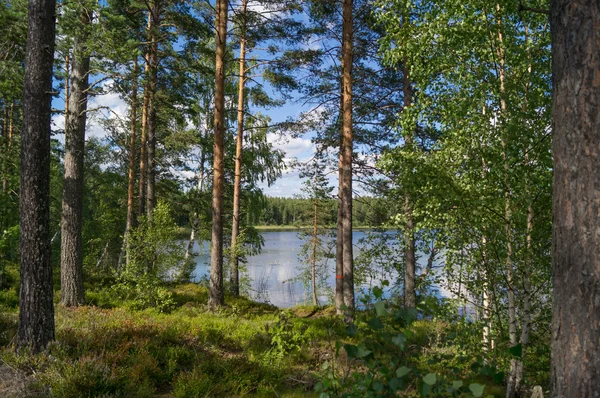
190 352
246 349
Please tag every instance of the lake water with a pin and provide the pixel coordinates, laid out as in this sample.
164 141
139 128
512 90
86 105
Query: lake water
271 272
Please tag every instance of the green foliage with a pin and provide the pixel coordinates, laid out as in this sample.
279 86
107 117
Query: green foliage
191 352
390 352
287 337
155 256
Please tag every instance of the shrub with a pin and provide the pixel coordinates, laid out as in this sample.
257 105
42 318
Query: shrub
154 257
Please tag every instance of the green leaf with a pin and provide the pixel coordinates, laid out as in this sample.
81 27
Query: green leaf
476 389
377 292
380 308
362 351
457 384
402 371
375 323
399 340
325 365
395 384
430 379
516 350
351 350
351 330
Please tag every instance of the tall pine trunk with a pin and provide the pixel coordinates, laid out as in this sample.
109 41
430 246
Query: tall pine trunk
151 145
71 248
339 242
347 49
575 369
235 226
145 119
131 175
216 293
36 309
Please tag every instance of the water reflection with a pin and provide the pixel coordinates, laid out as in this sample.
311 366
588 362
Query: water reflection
271 273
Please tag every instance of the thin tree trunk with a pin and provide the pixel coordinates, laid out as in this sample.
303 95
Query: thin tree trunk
8 130
511 391
131 175
196 219
36 309
487 341
410 295
339 242
235 226
314 256
216 293
151 167
144 135
71 248
347 49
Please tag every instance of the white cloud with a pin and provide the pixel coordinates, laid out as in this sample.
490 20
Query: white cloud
105 106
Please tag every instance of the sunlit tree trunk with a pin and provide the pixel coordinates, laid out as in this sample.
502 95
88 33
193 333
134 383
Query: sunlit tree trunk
71 253
575 369
36 309
131 175
347 48
145 118
235 226
151 167
216 294
339 242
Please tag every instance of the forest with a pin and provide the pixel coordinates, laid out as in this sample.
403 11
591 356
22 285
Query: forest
424 169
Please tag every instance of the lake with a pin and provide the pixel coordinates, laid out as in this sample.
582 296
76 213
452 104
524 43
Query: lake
271 272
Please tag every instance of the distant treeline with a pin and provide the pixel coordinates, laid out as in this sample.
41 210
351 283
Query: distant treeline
367 211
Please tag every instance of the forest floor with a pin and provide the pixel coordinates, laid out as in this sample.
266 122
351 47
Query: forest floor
108 349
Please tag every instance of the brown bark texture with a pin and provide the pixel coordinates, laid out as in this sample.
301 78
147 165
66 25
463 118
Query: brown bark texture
145 119
36 309
216 293
130 222
347 48
151 144
339 242
235 225
71 248
575 366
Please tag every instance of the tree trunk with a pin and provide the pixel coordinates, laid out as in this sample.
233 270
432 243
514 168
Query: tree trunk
196 219
36 309
71 248
339 242
347 48
511 389
410 266
131 175
235 226
216 294
8 134
151 167
575 369
313 259
144 135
